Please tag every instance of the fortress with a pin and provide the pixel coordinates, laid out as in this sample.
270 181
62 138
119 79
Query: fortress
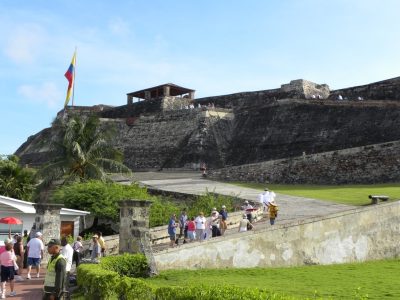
298 133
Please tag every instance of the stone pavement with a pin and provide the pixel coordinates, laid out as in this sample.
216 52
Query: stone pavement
29 289
291 208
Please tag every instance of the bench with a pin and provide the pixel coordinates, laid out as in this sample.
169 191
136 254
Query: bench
375 198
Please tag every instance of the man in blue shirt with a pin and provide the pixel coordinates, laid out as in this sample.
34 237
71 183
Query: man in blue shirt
172 230
224 216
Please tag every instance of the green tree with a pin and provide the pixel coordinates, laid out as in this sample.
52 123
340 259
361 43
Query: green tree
81 148
15 181
100 198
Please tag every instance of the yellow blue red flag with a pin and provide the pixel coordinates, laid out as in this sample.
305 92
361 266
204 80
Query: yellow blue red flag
70 75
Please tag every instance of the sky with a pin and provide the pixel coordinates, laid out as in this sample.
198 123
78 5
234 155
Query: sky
216 47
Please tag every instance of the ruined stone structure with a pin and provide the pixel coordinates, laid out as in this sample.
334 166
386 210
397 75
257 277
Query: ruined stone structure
250 128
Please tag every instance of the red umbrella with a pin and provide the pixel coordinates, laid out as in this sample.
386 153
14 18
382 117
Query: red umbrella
10 221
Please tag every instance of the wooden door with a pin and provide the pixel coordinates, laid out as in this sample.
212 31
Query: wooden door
67 228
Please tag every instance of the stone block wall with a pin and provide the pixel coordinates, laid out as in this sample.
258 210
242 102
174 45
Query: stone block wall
353 236
382 90
377 163
290 127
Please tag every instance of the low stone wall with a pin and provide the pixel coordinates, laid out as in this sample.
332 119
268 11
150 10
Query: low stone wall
377 163
356 235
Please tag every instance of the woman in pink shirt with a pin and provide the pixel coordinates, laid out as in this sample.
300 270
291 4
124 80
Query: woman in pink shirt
191 229
7 259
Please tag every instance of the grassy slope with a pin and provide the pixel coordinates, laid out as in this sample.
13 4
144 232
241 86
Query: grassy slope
377 280
345 194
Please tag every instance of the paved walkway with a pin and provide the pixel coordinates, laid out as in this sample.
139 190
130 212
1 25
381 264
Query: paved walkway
29 289
290 207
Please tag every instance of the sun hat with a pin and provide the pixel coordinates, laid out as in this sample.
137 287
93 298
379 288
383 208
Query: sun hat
273 203
95 236
244 216
7 241
246 201
223 206
266 189
38 234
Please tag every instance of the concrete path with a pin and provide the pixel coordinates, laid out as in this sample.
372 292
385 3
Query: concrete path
290 207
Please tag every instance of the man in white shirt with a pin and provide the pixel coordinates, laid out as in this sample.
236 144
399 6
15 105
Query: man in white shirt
35 249
68 253
200 222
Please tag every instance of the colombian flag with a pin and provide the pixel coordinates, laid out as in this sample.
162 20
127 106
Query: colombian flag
70 75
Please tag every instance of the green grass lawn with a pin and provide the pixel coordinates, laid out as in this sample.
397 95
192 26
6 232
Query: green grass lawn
376 279
355 194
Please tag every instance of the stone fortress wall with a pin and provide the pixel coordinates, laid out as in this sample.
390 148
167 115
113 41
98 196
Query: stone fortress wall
377 163
244 128
353 236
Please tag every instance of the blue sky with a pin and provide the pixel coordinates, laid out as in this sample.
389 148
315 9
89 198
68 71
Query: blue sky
213 46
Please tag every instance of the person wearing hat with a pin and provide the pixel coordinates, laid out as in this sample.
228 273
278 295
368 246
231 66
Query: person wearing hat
244 224
248 208
96 248
35 250
56 272
273 212
224 216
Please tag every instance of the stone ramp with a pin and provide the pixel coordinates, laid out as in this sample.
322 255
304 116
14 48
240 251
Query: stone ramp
290 207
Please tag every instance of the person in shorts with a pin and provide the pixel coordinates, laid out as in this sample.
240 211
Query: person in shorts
7 261
35 249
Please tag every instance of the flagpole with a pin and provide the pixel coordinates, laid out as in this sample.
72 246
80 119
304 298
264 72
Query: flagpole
73 88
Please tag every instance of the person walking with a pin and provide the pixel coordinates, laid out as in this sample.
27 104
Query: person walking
68 253
273 212
96 249
244 224
172 230
7 262
55 278
35 250
200 226
78 250
224 217
102 243
19 253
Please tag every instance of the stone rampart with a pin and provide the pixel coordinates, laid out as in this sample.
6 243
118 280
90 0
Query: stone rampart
290 127
353 236
377 163
382 90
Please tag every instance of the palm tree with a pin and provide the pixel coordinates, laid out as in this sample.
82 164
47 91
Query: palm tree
82 150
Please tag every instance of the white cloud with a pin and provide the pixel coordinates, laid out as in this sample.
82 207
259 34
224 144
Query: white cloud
25 43
47 93
119 27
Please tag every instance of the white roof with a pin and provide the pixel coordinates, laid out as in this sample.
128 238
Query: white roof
11 205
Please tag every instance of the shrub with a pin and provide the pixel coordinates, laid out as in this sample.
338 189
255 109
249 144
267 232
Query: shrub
134 289
126 265
220 292
97 283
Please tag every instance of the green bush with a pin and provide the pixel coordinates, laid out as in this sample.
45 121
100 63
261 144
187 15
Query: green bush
103 281
97 283
126 265
134 289
216 292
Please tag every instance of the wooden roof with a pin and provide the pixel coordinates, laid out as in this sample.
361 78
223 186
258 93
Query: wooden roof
174 90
